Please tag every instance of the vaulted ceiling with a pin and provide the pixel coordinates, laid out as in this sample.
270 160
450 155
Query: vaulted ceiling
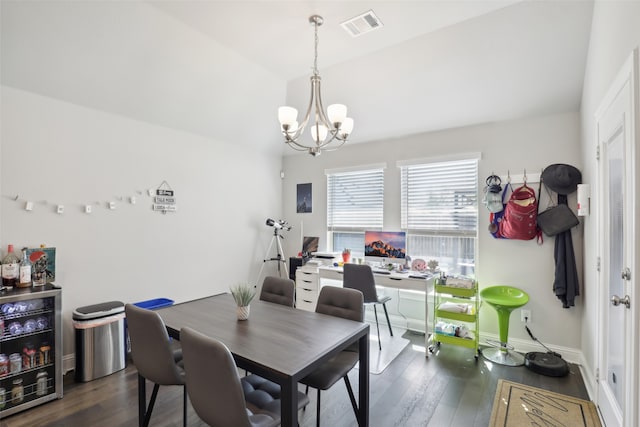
220 69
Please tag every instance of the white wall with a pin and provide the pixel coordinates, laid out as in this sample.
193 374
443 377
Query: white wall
513 146
55 152
614 34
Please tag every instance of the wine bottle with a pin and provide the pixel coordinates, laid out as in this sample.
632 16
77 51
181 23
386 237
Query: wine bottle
10 268
25 270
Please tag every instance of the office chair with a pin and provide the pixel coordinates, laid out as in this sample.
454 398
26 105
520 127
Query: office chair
348 304
154 358
360 277
278 290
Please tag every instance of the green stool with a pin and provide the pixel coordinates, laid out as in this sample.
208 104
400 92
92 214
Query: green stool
504 299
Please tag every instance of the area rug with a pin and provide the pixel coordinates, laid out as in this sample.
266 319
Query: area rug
519 405
392 346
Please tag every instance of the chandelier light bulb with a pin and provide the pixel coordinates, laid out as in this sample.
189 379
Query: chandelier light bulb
347 126
337 113
293 128
318 130
287 115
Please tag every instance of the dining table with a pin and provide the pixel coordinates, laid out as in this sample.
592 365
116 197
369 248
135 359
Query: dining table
279 343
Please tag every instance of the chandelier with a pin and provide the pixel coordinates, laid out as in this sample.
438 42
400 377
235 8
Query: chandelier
333 128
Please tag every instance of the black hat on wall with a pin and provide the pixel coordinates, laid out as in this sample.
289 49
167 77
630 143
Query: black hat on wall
561 178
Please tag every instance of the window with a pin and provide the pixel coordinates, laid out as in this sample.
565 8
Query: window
440 212
354 203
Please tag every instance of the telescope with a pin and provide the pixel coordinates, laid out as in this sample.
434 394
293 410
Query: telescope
279 224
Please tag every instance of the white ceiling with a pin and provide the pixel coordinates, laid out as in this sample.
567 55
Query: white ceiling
278 35
220 69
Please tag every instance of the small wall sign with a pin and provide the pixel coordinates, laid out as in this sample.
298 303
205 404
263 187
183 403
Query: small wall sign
164 200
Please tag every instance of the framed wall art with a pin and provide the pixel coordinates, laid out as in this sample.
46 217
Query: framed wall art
303 199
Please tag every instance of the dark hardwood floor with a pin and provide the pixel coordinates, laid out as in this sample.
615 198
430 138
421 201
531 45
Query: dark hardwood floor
448 389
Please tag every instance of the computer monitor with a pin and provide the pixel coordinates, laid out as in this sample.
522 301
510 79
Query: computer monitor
309 245
385 246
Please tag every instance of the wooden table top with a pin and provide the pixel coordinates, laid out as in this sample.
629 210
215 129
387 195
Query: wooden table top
282 340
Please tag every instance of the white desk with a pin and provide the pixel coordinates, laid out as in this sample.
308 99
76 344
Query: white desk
393 280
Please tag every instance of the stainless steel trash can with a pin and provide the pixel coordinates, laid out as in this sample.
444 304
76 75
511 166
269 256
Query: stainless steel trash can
100 342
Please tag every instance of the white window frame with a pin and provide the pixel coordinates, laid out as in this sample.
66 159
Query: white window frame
343 204
453 230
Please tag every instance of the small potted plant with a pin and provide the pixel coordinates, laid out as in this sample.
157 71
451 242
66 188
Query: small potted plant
433 265
243 294
346 255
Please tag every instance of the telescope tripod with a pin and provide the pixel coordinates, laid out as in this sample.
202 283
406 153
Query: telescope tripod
280 258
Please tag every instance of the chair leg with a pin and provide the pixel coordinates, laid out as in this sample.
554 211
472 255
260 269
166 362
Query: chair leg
152 402
318 410
352 398
375 312
142 399
306 391
184 406
384 305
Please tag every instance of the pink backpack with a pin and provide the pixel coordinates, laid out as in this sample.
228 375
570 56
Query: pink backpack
520 215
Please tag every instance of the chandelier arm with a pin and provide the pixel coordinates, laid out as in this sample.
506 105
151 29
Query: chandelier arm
312 96
296 143
320 109
334 135
334 148
297 146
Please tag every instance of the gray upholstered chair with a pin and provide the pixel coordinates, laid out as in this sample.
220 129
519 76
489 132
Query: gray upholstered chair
218 395
278 290
348 304
155 359
360 277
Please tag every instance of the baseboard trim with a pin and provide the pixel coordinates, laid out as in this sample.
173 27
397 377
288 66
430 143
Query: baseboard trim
571 355
588 378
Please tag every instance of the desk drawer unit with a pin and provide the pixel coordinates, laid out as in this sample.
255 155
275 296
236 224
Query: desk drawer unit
307 285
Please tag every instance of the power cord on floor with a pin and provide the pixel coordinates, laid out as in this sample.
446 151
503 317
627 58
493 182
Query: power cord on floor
536 340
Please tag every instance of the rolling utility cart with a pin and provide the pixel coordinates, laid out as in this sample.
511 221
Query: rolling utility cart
455 313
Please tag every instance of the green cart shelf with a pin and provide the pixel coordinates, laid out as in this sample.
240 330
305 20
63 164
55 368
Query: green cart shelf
443 293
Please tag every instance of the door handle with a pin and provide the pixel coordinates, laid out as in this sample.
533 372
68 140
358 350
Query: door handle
616 300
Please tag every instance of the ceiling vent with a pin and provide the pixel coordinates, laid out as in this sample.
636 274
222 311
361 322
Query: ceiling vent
362 24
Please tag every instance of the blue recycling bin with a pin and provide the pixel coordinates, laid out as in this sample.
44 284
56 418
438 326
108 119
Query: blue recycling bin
152 304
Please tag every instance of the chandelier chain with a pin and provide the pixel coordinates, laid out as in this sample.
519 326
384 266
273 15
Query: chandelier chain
315 56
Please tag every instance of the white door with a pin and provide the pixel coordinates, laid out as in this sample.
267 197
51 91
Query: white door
617 224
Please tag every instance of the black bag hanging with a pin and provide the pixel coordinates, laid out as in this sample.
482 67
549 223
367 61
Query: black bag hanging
556 218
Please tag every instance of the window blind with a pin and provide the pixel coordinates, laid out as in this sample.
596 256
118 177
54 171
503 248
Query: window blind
440 198
355 200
